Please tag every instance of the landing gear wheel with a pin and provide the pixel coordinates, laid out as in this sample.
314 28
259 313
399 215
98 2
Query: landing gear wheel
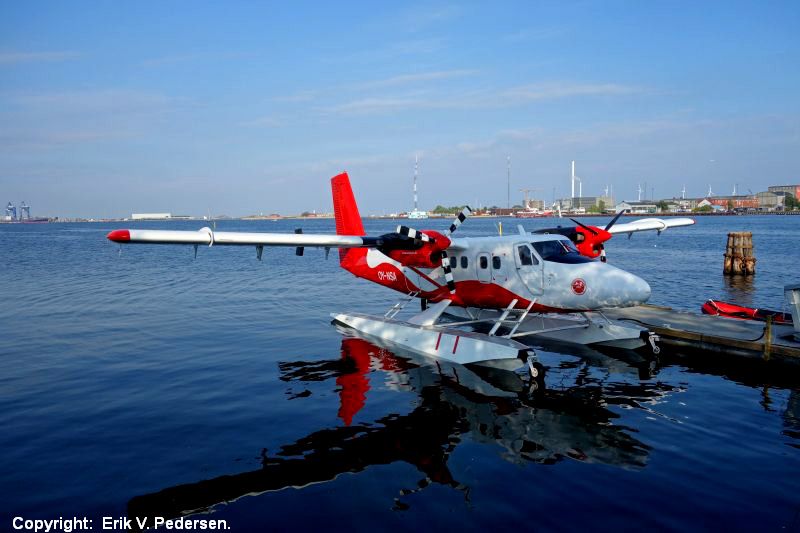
536 370
653 339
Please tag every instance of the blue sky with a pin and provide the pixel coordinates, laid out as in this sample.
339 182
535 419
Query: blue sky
109 108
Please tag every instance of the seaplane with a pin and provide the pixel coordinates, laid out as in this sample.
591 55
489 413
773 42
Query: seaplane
480 296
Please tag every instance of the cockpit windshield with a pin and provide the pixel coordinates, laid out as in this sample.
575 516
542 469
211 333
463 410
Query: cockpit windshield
559 251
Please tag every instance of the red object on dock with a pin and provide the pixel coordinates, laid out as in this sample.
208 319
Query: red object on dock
726 309
119 235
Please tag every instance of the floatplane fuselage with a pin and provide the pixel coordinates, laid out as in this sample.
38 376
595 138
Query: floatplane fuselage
518 273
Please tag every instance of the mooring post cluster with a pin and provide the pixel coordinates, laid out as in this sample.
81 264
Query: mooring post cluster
739 257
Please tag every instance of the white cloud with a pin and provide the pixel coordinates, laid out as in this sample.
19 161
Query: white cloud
11 58
420 77
553 90
484 99
263 122
48 120
533 34
301 96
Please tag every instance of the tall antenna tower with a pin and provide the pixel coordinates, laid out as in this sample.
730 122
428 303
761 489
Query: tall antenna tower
416 169
508 183
683 193
639 192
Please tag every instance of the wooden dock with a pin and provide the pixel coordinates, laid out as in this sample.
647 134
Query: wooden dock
730 336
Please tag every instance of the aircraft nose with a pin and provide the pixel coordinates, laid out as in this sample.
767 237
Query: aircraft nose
638 289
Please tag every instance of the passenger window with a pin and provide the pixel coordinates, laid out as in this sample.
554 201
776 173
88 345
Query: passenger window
525 257
453 262
464 261
496 263
483 261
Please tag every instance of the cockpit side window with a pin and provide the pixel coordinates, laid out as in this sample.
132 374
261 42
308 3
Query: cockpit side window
525 256
559 251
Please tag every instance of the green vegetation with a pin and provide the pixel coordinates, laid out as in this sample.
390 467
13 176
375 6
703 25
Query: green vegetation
703 209
792 202
442 210
730 205
662 205
601 206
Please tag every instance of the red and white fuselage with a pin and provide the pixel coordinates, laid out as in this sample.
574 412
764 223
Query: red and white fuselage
487 272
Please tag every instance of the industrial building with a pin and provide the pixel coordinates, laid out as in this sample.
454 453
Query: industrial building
151 216
794 190
740 201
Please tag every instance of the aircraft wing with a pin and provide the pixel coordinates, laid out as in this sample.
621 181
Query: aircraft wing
650 224
216 238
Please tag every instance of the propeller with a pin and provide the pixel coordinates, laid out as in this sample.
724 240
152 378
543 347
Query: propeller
462 216
584 226
614 220
448 274
412 233
406 231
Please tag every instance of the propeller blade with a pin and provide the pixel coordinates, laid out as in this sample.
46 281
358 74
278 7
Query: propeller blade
412 233
584 226
462 216
448 274
614 220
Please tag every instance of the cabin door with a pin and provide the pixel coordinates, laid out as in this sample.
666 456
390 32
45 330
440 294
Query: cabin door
529 269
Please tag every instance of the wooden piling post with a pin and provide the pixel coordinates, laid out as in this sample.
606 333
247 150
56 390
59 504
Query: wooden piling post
739 257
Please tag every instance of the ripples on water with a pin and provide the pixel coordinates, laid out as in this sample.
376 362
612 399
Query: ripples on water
153 383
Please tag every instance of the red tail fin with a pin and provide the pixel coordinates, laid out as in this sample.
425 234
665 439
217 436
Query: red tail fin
348 219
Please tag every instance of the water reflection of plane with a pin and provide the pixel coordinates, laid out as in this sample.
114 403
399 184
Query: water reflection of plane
546 427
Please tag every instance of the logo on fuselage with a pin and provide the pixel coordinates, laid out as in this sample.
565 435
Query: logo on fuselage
578 286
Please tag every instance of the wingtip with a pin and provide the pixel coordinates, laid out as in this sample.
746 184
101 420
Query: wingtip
119 235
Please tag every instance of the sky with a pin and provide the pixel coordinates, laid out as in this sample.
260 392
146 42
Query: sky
237 108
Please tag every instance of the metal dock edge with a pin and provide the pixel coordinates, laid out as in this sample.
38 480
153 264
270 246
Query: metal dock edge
745 338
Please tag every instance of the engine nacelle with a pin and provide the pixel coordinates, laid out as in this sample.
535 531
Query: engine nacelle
589 244
422 254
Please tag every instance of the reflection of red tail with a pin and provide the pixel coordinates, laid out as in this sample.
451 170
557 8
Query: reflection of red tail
354 386
345 210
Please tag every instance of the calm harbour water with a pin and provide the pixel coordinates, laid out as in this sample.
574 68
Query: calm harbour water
153 382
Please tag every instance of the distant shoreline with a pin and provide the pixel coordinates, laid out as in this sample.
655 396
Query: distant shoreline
511 217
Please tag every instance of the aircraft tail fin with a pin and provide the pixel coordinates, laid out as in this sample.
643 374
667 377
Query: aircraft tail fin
348 219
